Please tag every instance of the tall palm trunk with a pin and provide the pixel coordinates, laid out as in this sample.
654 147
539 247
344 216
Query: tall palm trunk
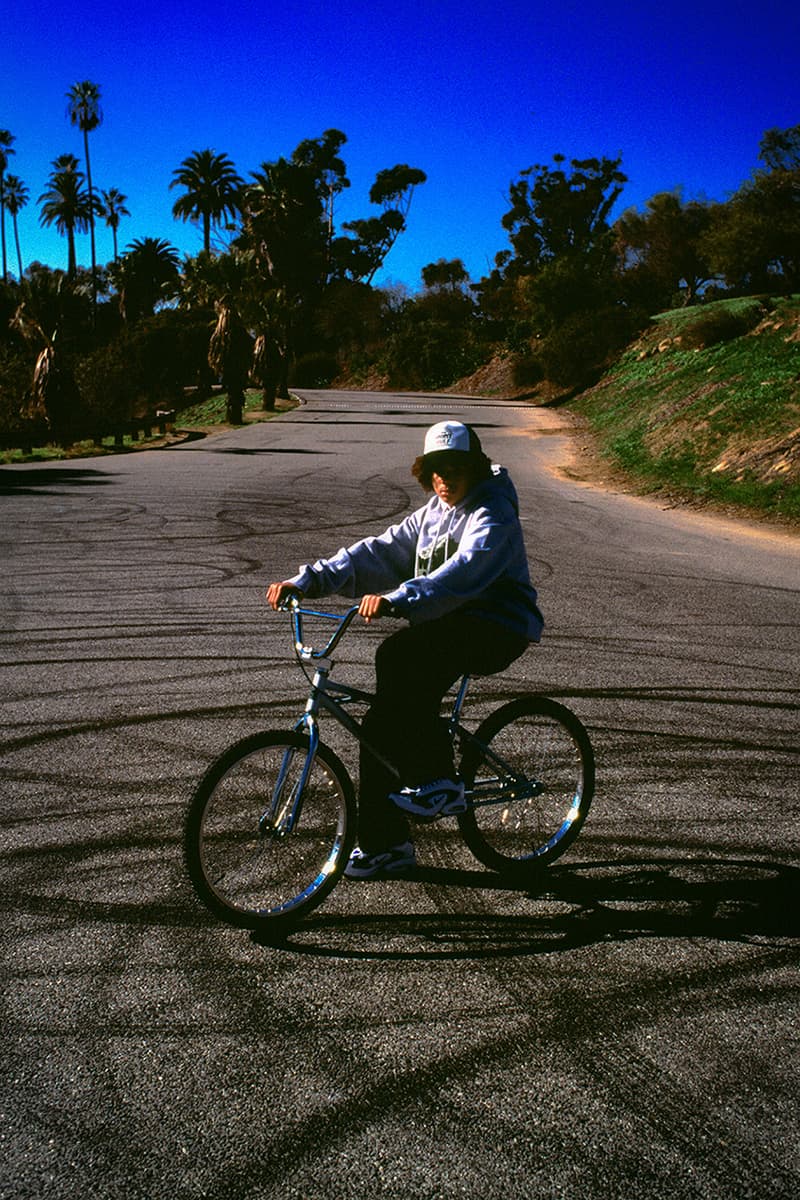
72 261
54 394
91 217
3 227
230 355
16 240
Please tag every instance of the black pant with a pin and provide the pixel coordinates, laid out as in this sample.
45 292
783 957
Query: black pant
414 668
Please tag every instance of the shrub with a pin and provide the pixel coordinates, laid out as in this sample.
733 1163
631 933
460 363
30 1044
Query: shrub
527 370
109 386
576 352
427 354
721 325
314 370
145 367
16 371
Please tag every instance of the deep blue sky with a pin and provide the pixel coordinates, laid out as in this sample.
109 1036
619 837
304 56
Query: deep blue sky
471 91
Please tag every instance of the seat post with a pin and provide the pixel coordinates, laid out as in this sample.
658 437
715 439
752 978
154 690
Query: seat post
460 697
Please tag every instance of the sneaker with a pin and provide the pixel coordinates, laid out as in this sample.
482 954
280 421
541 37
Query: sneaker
441 798
380 862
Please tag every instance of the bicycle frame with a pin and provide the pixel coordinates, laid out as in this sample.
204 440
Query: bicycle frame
331 697
272 825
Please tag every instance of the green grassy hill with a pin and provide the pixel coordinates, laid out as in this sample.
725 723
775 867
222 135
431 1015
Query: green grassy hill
706 405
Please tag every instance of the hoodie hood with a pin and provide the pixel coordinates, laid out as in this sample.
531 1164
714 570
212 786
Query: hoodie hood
498 486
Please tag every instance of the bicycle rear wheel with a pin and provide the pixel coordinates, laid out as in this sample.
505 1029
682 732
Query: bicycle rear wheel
530 772
245 867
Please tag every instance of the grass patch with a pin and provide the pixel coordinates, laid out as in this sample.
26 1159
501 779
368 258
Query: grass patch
87 448
213 412
37 454
706 405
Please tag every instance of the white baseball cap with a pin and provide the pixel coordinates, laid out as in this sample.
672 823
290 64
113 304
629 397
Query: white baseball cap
449 435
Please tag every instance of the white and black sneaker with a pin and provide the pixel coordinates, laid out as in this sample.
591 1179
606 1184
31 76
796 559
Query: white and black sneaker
441 798
381 862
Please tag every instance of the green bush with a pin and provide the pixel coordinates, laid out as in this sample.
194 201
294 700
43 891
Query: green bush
721 325
427 354
527 370
577 351
143 369
16 372
109 385
314 370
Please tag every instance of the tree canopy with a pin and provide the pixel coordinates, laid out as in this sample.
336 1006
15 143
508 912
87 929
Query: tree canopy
212 190
284 288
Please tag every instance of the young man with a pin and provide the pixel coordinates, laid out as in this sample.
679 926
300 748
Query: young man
457 571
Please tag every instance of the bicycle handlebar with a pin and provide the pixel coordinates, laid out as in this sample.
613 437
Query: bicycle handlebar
308 652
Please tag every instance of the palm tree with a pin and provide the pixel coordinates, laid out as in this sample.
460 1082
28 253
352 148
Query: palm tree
66 204
16 197
47 316
6 138
212 190
230 354
66 162
226 281
149 271
112 207
270 364
85 112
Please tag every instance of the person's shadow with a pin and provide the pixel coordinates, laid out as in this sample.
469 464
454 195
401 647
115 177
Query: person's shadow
572 905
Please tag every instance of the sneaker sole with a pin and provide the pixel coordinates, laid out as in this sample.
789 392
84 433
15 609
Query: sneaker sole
381 872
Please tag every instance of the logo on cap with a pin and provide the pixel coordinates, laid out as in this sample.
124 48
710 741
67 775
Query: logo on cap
447 435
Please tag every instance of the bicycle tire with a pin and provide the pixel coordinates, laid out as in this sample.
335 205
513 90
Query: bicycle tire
539 739
241 869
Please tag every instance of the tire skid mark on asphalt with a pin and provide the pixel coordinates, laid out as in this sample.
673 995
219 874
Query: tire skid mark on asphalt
606 1056
131 720
709 1146
418 1092
389 500
667 738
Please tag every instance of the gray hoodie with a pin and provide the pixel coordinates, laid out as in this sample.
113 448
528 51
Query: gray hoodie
470 557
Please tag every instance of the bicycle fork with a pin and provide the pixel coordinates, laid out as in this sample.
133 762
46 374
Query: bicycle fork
284 811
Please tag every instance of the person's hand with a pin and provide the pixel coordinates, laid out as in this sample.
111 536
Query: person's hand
279 593
372 608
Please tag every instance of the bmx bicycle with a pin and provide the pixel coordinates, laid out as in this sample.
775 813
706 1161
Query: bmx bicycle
272 823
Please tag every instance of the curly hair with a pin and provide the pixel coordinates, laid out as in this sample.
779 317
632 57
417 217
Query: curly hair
474 464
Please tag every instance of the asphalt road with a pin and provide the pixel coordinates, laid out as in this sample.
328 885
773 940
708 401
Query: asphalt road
630 1031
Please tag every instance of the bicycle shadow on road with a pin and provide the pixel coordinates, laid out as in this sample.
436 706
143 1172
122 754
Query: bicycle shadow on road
576 906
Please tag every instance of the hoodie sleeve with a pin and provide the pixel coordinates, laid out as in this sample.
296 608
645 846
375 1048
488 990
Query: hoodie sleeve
486 550
370 565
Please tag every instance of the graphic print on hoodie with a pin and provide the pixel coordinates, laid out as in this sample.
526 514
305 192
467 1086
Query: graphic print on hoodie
434 553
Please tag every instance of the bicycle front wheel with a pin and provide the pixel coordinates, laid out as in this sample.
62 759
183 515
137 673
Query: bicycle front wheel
529 772
256 858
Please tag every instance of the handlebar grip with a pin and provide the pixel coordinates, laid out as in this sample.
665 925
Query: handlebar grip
290 601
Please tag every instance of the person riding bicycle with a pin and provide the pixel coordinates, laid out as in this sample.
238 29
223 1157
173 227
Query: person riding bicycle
457 571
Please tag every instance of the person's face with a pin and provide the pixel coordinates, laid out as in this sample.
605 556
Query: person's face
451 481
